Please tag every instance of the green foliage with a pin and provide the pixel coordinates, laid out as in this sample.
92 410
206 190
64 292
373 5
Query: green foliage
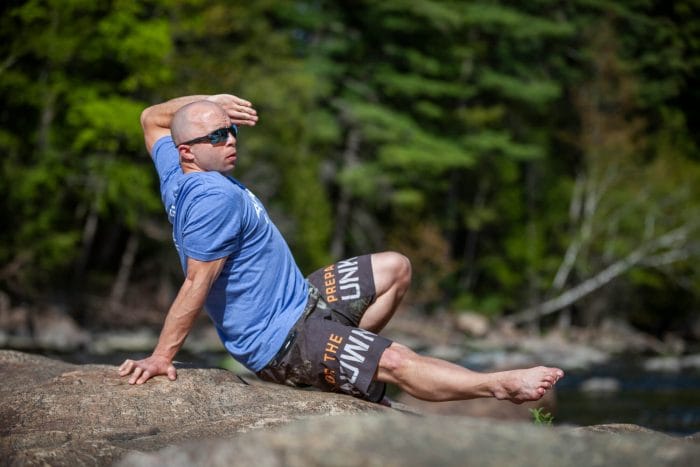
72 138
535 91
486 139
539 417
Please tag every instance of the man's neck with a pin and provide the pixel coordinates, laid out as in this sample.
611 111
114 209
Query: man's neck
192 168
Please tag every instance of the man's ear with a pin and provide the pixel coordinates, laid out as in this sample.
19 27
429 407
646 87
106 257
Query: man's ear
185 153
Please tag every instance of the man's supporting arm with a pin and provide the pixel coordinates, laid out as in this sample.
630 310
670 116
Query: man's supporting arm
155 120
178 323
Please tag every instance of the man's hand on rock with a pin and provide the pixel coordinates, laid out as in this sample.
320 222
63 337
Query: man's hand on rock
143 370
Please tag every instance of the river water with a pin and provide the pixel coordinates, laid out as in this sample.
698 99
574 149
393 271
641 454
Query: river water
663 401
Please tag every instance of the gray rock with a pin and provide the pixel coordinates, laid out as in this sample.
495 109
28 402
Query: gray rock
406 441
663 364
445 352
691 362
56 330
558 351
503 350
46 328
123 341
601 385
56 413
497 359
472 324
617 428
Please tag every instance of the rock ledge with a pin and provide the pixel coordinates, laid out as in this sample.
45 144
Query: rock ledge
55 413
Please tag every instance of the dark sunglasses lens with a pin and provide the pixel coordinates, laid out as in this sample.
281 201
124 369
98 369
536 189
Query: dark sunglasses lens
218 136
222 134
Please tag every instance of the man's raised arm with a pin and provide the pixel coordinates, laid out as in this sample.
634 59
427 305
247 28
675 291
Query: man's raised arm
155 120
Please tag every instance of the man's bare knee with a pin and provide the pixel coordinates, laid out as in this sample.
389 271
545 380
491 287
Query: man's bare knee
392 272
394 362
402 267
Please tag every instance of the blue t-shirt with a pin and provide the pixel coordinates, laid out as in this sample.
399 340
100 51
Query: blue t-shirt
260 292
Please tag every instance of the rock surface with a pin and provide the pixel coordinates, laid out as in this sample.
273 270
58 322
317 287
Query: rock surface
406 441
54 413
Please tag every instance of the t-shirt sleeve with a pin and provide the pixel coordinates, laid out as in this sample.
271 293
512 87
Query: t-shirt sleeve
166 159
213 226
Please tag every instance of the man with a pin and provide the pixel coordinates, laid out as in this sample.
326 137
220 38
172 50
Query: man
321 331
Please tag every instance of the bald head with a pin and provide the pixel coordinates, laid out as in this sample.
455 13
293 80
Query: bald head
192 120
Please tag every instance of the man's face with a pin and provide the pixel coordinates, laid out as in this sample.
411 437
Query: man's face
208 156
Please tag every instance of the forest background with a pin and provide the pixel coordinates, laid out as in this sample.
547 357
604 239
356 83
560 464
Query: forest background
537 161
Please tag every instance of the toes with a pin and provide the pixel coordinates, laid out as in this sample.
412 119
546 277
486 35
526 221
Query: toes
555 375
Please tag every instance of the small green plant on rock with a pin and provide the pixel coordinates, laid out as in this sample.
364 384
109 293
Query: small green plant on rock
541 418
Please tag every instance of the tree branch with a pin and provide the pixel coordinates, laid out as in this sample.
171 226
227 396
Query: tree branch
637 256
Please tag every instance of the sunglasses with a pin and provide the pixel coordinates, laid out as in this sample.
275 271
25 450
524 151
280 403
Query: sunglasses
216 136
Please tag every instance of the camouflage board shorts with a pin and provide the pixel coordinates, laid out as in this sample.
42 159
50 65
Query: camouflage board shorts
325 348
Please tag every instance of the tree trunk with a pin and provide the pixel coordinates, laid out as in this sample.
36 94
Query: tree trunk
121 283
343 206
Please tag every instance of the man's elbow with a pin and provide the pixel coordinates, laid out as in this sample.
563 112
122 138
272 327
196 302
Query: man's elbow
146 118
152 131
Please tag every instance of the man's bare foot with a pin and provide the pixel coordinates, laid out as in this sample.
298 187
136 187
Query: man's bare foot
530 384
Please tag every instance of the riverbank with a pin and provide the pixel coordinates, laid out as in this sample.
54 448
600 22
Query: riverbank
467 339
614 374
55 413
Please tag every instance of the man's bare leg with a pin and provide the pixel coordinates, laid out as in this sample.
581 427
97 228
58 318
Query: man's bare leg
432 379
392 277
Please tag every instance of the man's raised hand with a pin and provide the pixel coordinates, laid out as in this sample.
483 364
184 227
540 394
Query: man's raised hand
240 111
143 370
